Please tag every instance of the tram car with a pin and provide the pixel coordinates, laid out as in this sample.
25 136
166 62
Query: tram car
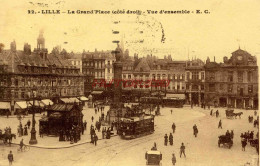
176 103
133 127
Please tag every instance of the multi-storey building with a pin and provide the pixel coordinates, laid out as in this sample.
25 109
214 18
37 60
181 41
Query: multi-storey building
233 83
98 71
195 78
25 75
151 76
77 62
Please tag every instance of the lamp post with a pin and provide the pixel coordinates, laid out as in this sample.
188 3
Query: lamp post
33 139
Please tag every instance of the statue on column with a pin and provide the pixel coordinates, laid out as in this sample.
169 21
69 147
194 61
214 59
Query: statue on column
118 53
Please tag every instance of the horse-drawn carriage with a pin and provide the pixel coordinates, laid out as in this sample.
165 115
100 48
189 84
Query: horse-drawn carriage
7 137
153 157
254 142
230 114
225 140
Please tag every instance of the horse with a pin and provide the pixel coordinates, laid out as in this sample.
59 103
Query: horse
238 114
7 138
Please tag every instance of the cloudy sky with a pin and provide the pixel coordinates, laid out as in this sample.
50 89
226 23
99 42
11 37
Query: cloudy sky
230 24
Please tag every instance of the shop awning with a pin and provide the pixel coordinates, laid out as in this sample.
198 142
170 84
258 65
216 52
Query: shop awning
97 92
37 103
47 102
66 100
74 99
5 105
175 96
22 104
83 98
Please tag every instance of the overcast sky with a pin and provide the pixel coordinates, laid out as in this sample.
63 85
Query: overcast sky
230 24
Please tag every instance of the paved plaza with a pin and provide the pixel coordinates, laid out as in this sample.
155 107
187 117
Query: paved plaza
202 150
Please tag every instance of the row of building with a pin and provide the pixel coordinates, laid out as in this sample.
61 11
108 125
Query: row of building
28 74
234 82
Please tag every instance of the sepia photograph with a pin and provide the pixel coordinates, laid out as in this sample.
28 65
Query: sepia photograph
129 83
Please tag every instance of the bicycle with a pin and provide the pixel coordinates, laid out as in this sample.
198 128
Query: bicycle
25 148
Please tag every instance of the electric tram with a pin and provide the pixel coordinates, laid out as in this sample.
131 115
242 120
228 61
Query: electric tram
133 127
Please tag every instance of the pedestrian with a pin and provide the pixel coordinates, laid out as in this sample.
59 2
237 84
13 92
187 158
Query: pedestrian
195 130
75 135
255 113
182 150
173 159
10 158
25 130
217 114
232 134
82 129
173 127
95 139
228 134
171 139
108 133
29 123
165 139
171 111
92 118
211 112
219 124
154 146
85 125
21 145
103 133
243 143
21 130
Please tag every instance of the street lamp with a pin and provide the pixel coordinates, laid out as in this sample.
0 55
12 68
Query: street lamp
33 139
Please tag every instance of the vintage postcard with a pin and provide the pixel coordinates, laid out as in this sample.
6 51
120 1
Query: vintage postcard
129 83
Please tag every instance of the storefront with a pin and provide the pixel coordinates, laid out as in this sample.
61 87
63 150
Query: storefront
21 107
5 108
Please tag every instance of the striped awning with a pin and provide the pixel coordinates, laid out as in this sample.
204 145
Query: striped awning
66 100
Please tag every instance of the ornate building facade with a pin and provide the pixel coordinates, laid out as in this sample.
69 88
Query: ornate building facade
234 82
25 75
195 78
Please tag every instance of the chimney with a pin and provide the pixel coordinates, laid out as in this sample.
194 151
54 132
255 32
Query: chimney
27 49
225 59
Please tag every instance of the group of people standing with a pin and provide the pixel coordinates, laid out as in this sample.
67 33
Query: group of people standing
166 139
212 113
74 134
21 131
